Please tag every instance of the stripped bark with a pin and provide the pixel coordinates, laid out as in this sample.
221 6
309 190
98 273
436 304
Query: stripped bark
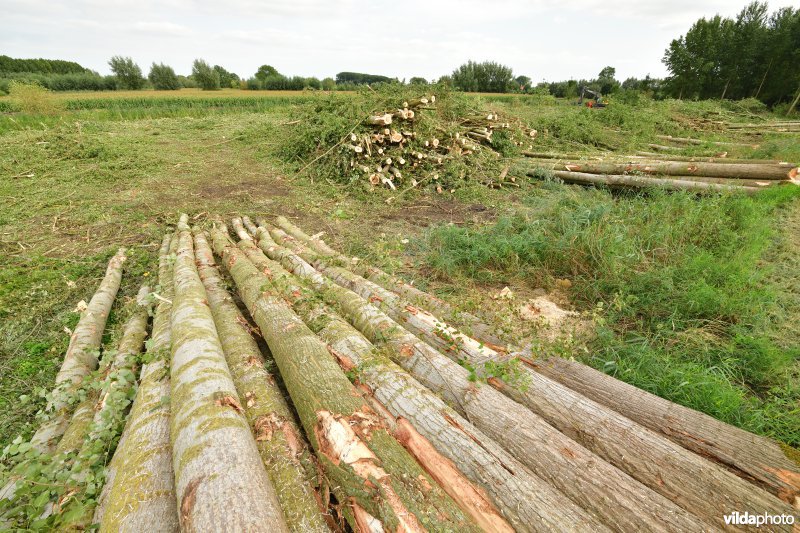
280 442
610 495
139 492
81 356
220 481
473 325
353 446
757 459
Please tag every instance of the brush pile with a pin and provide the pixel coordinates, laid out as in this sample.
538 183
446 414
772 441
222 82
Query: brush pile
388 415
395 139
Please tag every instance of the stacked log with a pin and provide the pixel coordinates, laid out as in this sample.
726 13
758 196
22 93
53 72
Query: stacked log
673 172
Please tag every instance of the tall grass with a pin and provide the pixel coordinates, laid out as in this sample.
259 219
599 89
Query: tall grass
685 300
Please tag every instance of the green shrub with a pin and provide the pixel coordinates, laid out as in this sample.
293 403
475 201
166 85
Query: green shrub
163 78
32 98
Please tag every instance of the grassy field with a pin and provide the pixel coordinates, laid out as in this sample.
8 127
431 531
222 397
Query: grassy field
694 299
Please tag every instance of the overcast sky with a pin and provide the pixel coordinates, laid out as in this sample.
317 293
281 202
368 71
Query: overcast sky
544 40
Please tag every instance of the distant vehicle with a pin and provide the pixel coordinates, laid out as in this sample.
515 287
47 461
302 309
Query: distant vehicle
593 98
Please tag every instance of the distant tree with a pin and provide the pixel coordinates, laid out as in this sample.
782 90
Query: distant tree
359 78
264 71
522 83
128 73
416 80
489 77
206 77
227 79
163 78
328 84
42 66
314 83
606 80
187 82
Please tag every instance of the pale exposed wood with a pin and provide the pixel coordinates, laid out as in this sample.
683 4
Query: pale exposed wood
646 181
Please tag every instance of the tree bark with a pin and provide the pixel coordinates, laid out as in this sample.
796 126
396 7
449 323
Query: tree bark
139 492
220 481
280 442
687 140
565 464
677 168
353 446
476 326
643 182
754 458
506 481
80 358
651 156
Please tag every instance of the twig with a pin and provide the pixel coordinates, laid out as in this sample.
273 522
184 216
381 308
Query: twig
299 172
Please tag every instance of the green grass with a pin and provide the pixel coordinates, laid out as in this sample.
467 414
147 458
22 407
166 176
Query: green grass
687 302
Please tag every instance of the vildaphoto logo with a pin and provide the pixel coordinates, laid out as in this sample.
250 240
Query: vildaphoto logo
747 519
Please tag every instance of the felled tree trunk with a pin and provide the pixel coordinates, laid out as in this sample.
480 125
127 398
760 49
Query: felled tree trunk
610 495
81 356
139 493
351 442
280 443
677 168
220 481
754 458
645 182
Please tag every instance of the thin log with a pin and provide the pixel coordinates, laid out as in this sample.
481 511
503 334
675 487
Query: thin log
80 358
677 168
353 445
565 464
220 481
645 182
380 120
139 492
757 459
669 157
280 442
687 140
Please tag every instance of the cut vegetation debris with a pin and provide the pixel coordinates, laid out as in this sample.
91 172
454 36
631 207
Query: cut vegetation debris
397 138
407 422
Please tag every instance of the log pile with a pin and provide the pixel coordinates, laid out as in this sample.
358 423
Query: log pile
387 415
697 174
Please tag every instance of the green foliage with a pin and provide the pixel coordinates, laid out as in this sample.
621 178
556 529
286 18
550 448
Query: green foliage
265 71
42 66
33 98
357 78
163 78
128 73
606 80
680 280
85 81
206 77
226 79
754 54
416 80
486 77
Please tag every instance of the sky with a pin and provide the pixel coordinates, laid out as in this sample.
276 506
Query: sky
546 41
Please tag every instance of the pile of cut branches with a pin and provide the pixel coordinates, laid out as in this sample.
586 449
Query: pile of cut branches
401 137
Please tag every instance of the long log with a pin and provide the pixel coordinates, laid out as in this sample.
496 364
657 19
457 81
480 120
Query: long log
280 442
565 464
676 168
645 182
139 492
670 157
687 140
471 323
220 481
353 445
757 459
80 358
